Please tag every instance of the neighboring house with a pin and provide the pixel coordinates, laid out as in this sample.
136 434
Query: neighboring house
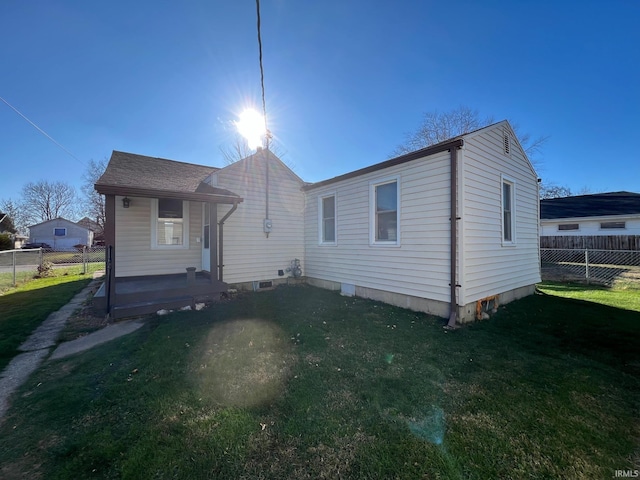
95 227
615 215
61 234
382 232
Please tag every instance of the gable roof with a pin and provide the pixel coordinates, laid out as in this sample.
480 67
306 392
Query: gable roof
258 157
139 175
596 205
454 142
59 221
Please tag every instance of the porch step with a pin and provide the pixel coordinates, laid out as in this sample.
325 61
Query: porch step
151 306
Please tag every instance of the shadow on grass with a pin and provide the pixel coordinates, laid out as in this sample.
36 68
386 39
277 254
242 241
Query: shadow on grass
554 325
24 310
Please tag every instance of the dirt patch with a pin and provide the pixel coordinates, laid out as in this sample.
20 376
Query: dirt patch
82 323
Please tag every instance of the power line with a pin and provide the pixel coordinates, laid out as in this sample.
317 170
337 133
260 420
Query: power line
40 130
264 104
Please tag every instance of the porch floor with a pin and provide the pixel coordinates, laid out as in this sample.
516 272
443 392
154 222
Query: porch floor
126 286
143 295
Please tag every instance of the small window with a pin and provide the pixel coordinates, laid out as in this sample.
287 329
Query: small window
612 225
568 226
328 220
59 232
385 224
170 224
508 212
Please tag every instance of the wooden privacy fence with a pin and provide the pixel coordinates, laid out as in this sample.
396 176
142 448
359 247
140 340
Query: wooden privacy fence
592 242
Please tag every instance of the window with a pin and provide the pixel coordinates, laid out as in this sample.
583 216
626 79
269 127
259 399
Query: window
59 232
508 212
170 223
327 217
385 215
608 225
568 226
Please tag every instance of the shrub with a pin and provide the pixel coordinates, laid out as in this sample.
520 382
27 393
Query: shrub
44 269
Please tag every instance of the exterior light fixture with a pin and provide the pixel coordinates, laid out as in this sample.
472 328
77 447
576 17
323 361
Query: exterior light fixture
126 202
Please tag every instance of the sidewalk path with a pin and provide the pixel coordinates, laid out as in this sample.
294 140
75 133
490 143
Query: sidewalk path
37 346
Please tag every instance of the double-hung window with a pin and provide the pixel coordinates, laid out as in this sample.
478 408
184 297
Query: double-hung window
508 212
170 223
327 219
385 212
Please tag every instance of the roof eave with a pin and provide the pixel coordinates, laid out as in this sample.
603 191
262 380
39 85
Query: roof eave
151 193
425 152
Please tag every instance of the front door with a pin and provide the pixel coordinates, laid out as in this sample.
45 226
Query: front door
206 237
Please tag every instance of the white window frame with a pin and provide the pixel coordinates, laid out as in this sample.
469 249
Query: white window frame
321 240
512 183
154 227
373 241
60 228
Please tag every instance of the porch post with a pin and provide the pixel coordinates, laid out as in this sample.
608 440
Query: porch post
213 241
110 241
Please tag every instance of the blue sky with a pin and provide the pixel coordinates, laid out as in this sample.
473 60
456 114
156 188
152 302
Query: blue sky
345 81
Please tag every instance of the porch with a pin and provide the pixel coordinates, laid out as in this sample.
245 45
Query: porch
134 296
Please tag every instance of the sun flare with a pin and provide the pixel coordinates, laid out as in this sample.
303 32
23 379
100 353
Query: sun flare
251 127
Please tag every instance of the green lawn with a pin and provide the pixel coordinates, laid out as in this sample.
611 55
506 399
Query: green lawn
24 308
300 382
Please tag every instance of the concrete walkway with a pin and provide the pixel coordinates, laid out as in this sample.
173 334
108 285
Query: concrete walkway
37 346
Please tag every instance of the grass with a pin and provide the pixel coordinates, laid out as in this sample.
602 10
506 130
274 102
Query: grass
24 308
300 382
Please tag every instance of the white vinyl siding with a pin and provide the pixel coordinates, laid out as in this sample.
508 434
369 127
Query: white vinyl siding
248 254
486 267
327 220
135 257
591 226
420 265
49 232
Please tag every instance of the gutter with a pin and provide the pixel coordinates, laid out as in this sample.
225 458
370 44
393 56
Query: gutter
220 240
453 155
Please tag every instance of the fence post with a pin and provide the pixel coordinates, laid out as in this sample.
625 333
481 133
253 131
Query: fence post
14 268
586 262
84 260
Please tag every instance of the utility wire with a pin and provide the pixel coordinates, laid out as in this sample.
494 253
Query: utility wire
40 130
264 104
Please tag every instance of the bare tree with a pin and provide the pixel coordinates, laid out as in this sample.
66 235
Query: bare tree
239 149
94 202
438 126
45 200
551 190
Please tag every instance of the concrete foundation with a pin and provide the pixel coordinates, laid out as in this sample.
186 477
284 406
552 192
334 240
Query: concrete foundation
438 308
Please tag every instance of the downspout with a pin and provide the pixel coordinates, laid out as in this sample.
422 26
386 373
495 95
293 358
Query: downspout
220 240
453 155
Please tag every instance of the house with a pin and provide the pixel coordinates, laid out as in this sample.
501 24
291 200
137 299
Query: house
448 230
95 227
61 234
602 221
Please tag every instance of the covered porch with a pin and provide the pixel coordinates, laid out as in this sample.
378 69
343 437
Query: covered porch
163 235
133 296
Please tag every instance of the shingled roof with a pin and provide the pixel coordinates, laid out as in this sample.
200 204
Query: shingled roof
139 175
597 205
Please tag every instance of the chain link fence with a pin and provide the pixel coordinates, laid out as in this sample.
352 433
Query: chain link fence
619 268
20 266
